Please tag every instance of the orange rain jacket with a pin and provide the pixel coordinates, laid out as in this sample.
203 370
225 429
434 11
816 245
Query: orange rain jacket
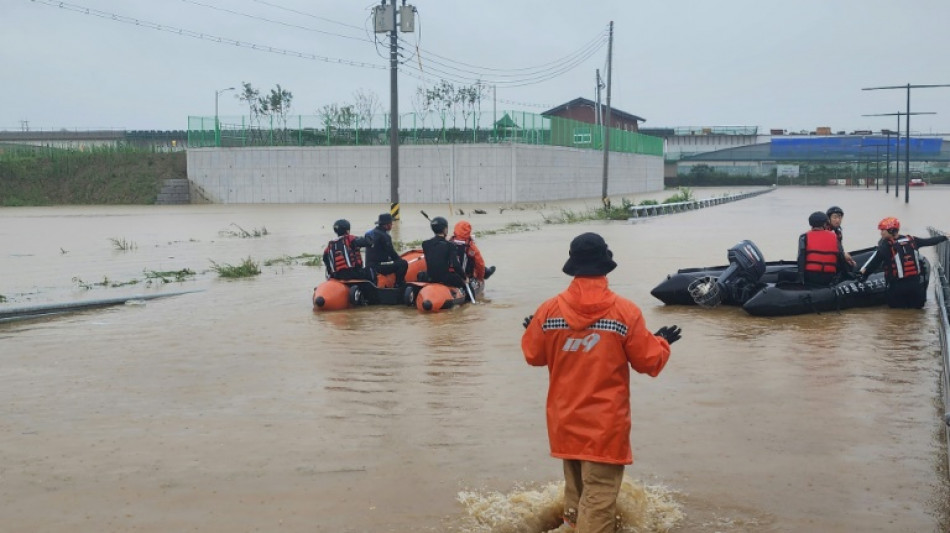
462 234
586 336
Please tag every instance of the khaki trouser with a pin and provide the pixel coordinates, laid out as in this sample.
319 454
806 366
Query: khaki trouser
590 491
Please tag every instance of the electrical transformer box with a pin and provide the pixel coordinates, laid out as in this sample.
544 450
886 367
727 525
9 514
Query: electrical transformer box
407 19
383 18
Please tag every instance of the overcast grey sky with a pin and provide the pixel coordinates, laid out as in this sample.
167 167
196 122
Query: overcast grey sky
794 65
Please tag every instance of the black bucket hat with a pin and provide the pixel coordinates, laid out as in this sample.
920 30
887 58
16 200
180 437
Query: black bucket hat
589 256
384 219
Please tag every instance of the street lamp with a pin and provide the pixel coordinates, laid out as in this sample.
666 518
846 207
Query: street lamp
217 126
907 127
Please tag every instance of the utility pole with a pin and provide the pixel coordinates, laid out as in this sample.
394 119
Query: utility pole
897 155
610 47
887 164
494 110
389 19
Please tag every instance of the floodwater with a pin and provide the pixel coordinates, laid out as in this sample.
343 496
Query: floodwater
237 408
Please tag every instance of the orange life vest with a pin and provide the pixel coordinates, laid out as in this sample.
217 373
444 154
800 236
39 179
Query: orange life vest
343 254
821 251
906 259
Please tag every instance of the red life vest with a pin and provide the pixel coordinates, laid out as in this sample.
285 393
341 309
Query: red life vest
343 254
905 261
821 251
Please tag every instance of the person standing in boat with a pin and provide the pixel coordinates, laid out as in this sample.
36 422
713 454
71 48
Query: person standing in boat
442 259
821 258
835 217
589 337
381 257
902 266
471 257
342 256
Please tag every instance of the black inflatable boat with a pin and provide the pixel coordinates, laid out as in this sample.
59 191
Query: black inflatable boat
784 298
768 288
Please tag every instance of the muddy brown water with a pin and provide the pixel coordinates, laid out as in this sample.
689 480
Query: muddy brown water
239 409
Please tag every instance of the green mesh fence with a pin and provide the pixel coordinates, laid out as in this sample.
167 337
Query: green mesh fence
432 128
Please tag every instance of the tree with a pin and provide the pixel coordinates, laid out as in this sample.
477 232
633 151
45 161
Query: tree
441 98
337 117
421 104
470 101
251 96
366 106
276 104
278 101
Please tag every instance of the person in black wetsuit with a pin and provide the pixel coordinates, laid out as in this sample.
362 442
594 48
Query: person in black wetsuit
902 265
442 260
381 257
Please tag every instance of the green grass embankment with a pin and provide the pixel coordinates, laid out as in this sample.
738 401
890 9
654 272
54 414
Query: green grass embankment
44 176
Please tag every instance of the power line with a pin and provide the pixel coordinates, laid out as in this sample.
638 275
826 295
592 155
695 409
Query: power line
440 65
502 77
275 6
263 19
205 36
596 43
533 79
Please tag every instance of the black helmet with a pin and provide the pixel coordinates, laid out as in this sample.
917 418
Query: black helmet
341 226
834 210
817 219
439 225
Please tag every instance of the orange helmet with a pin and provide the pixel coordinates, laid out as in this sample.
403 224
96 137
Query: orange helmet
889 223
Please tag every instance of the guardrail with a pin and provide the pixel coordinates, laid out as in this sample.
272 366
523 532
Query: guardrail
640 211
942 294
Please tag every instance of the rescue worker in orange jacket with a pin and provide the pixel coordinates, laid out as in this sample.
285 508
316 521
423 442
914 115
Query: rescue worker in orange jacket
471 257
821 260
342 256
902 266
587 336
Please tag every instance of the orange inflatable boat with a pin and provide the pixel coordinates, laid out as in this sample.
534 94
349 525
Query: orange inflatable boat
435 297
334 294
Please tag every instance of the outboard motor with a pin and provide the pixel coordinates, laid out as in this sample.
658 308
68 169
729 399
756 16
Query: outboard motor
736 284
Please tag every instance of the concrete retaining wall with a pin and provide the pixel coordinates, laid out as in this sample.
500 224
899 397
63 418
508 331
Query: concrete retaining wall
498 173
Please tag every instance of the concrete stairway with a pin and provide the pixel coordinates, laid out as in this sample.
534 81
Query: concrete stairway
174 192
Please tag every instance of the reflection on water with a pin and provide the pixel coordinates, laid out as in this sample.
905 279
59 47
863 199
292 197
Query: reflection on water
241 408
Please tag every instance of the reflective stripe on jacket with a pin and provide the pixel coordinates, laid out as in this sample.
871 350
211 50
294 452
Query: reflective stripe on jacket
589 337
905 260
343 254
